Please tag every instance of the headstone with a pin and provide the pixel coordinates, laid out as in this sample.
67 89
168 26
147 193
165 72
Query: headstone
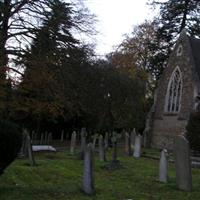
88 174
106 140
49 138
137 146
163 167
133 135
83 142
182 163
102 155
46 137
94 141
29 146
62 136
114 141
127 143
73 143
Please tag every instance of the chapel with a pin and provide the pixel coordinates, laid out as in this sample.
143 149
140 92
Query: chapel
177 94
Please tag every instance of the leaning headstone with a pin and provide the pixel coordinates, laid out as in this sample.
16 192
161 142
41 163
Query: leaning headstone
29 146
182 163
137 146
102 155
73 143
163 167
88 174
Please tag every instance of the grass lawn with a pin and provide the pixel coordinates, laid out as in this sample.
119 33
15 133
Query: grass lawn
58 176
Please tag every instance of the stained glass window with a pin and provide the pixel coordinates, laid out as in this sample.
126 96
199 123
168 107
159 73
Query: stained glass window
173 97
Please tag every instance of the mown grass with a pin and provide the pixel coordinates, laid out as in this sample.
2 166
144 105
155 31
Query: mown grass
58 176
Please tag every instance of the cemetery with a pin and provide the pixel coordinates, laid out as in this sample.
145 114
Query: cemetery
77 125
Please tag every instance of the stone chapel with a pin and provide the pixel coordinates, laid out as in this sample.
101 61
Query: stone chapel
177 94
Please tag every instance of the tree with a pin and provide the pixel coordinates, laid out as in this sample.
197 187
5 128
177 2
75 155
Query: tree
174 16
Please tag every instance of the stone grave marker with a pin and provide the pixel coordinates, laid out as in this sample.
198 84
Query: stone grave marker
73 143
102 155
88 174
137 146
163 166
182 163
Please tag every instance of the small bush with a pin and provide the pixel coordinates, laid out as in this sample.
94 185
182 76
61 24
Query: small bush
10 143
193 131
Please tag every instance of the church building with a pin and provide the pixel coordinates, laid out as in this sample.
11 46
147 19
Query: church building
177 94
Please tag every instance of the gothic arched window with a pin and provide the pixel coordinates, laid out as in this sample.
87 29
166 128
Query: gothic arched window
174 91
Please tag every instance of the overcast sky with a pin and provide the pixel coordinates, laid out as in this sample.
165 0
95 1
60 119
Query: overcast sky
116 18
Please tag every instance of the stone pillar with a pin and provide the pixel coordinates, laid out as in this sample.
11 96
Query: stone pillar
182 163
137 146
102 155
88 174
163 167
73 143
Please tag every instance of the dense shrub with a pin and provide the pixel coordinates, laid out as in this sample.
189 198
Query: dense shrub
10 143
193 131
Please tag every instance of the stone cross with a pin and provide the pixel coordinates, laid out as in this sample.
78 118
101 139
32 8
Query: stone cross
102 155
73 143
182 163
88 174
137 146
163 167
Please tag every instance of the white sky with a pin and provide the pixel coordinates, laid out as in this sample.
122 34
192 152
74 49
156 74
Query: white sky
116 18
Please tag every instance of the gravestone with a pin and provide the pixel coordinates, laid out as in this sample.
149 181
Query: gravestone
94 140
127 143
182 163
88 174
46 137
102 155
137 146
62 136
133 135
49 138
106 140
29 148
83 142
163 166
73 143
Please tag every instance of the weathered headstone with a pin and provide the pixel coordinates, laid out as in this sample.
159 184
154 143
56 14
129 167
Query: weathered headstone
102 155
163 166
127 143
73 143
106 140
83 142
133 135
114 141
88 174
182 163
94 140
137 146
29 148
62 136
